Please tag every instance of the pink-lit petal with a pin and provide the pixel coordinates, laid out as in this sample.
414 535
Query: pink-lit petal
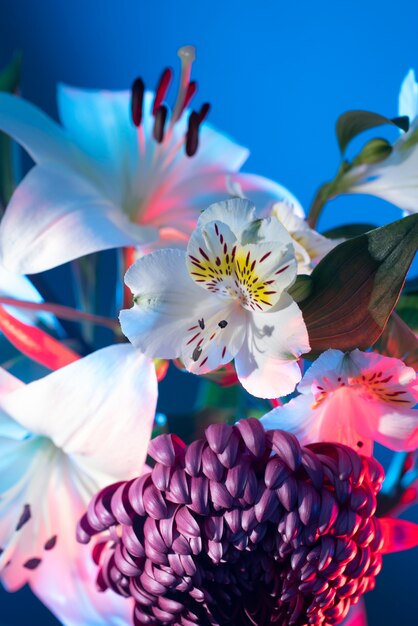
35 343
100 410
357 615
297 417
398 534
55 216
267 363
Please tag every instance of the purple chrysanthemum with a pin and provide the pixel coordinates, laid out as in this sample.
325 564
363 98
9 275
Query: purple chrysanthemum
241 527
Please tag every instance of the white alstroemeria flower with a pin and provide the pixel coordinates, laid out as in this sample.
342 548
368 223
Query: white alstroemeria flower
62 438
224 299
120 172
394 179
310 246
353 398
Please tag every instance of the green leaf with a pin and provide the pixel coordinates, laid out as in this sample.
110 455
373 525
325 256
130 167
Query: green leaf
9 81
10 76
348 231
398 341
407 309
302 288
353 123
356 286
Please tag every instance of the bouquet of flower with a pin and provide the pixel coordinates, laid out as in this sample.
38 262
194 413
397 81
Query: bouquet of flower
135 241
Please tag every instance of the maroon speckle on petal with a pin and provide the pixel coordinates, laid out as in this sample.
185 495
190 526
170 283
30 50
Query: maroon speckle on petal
25 517
243 528
50 544
32 563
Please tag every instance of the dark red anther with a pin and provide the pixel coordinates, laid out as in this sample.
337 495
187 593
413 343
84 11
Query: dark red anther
159 123
137 98
190 92
192 135
204 110
162 89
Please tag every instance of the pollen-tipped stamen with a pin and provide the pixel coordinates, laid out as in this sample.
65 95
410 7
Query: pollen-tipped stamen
159 123
187 55
192 135
137 99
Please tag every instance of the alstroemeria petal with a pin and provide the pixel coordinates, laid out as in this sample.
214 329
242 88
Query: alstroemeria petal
216 337
55 216
263 192
235 213
408 97
267 365
297 417
169 303
396 429
105 427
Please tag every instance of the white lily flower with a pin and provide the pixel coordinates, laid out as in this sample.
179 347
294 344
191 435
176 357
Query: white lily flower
353 398
224 299
394 179
62 438
310 246
120 172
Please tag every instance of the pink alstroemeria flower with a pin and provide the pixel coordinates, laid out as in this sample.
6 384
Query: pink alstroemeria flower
353 398
121 171
61 438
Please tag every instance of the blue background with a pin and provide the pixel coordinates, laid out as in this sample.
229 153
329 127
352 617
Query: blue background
278 74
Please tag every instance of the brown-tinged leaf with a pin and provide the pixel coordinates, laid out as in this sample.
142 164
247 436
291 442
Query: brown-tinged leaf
399 341
356 286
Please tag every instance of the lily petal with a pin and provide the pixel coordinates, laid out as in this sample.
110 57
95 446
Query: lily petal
408 96
85 418
55 216
39 135
71 593
267 365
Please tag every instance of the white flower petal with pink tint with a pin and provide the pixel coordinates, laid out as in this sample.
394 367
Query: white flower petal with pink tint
81 428
68 219
354 398
267 364
224 299
106 182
